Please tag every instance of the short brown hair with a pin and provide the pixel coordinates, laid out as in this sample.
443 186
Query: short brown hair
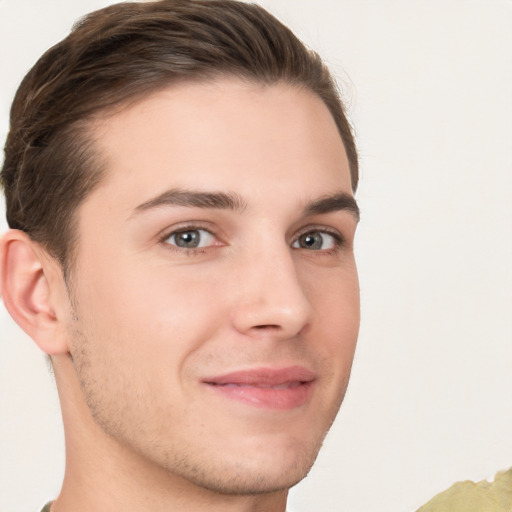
120 53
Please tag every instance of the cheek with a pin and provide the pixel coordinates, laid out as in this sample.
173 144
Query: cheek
137 333
152 312
334 294
335 299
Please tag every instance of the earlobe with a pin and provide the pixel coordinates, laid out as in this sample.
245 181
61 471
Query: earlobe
28 293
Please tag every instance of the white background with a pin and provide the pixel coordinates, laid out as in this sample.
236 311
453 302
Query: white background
429 88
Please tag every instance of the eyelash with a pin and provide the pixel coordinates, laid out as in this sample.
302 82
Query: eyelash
184 229
339 240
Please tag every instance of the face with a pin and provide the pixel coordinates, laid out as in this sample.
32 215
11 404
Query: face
215 294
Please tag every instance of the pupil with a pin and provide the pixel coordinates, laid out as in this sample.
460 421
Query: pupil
187 239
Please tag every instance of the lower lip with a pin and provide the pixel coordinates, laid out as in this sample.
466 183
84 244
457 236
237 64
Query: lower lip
267 398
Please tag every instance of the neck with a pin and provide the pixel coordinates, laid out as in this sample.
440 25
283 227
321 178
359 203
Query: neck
104 474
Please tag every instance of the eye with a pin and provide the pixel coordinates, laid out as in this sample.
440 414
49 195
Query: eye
191 238
316 241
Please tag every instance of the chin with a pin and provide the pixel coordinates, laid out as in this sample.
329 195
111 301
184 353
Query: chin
268 471
249 481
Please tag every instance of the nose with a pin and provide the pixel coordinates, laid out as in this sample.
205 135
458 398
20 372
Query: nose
270 298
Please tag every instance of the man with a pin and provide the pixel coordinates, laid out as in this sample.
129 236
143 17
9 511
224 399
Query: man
179 181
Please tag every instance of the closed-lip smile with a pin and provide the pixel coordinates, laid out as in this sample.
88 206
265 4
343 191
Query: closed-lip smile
272 388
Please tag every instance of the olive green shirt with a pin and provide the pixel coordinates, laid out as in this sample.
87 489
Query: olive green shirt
475 497
465 496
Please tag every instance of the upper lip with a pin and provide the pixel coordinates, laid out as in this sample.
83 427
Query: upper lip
264 377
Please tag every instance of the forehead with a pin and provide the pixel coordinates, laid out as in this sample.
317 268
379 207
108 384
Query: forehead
222 134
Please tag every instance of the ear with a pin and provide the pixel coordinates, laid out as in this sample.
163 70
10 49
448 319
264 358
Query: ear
31 284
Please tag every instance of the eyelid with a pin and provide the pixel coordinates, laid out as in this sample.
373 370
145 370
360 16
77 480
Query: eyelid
339 239
189 226
165 234
321 229
206 240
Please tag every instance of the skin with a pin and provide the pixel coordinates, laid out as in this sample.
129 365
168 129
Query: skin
142 322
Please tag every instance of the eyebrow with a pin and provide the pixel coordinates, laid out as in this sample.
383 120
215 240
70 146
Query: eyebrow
197 199
336 202
230 201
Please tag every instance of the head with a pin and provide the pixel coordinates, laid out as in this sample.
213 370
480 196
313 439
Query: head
184 172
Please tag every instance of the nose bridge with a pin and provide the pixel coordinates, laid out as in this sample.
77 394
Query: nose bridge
271 295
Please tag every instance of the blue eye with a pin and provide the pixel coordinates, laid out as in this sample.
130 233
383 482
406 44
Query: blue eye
191 238
316 241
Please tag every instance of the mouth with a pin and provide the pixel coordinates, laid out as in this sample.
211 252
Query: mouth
269 388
